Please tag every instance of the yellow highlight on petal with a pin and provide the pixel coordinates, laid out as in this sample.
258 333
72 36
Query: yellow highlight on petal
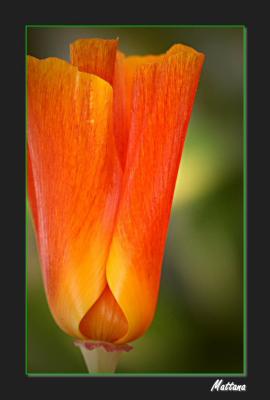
128 290
78 289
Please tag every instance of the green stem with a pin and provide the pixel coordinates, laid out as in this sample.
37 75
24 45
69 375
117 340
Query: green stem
100 356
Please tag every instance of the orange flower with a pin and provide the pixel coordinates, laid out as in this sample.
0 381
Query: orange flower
105 138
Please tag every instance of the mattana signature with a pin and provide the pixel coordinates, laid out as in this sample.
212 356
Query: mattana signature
229 386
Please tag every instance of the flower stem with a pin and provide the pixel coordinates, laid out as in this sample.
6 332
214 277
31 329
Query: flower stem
101 356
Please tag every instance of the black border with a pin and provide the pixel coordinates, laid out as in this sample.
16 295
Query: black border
14 193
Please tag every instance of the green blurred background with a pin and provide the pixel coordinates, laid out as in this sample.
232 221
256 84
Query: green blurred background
198 327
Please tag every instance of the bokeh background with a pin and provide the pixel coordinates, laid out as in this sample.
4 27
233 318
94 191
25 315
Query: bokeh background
198 327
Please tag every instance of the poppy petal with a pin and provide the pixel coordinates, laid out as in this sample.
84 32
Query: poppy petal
120 108
32 191
124 74
131 65
162 100
95 56
76 176
105 320
100 57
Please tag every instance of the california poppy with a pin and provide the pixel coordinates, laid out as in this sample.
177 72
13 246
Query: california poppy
105 138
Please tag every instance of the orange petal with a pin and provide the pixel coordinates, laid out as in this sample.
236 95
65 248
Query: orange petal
95 56
76 177
105 321
124 74
32 191
120 108
163 96
100 57
131 65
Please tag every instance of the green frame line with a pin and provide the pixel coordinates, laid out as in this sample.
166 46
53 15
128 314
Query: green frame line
146 375
141 375
26 214
245 200
132 26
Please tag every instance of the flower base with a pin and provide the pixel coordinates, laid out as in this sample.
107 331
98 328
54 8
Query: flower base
101 356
